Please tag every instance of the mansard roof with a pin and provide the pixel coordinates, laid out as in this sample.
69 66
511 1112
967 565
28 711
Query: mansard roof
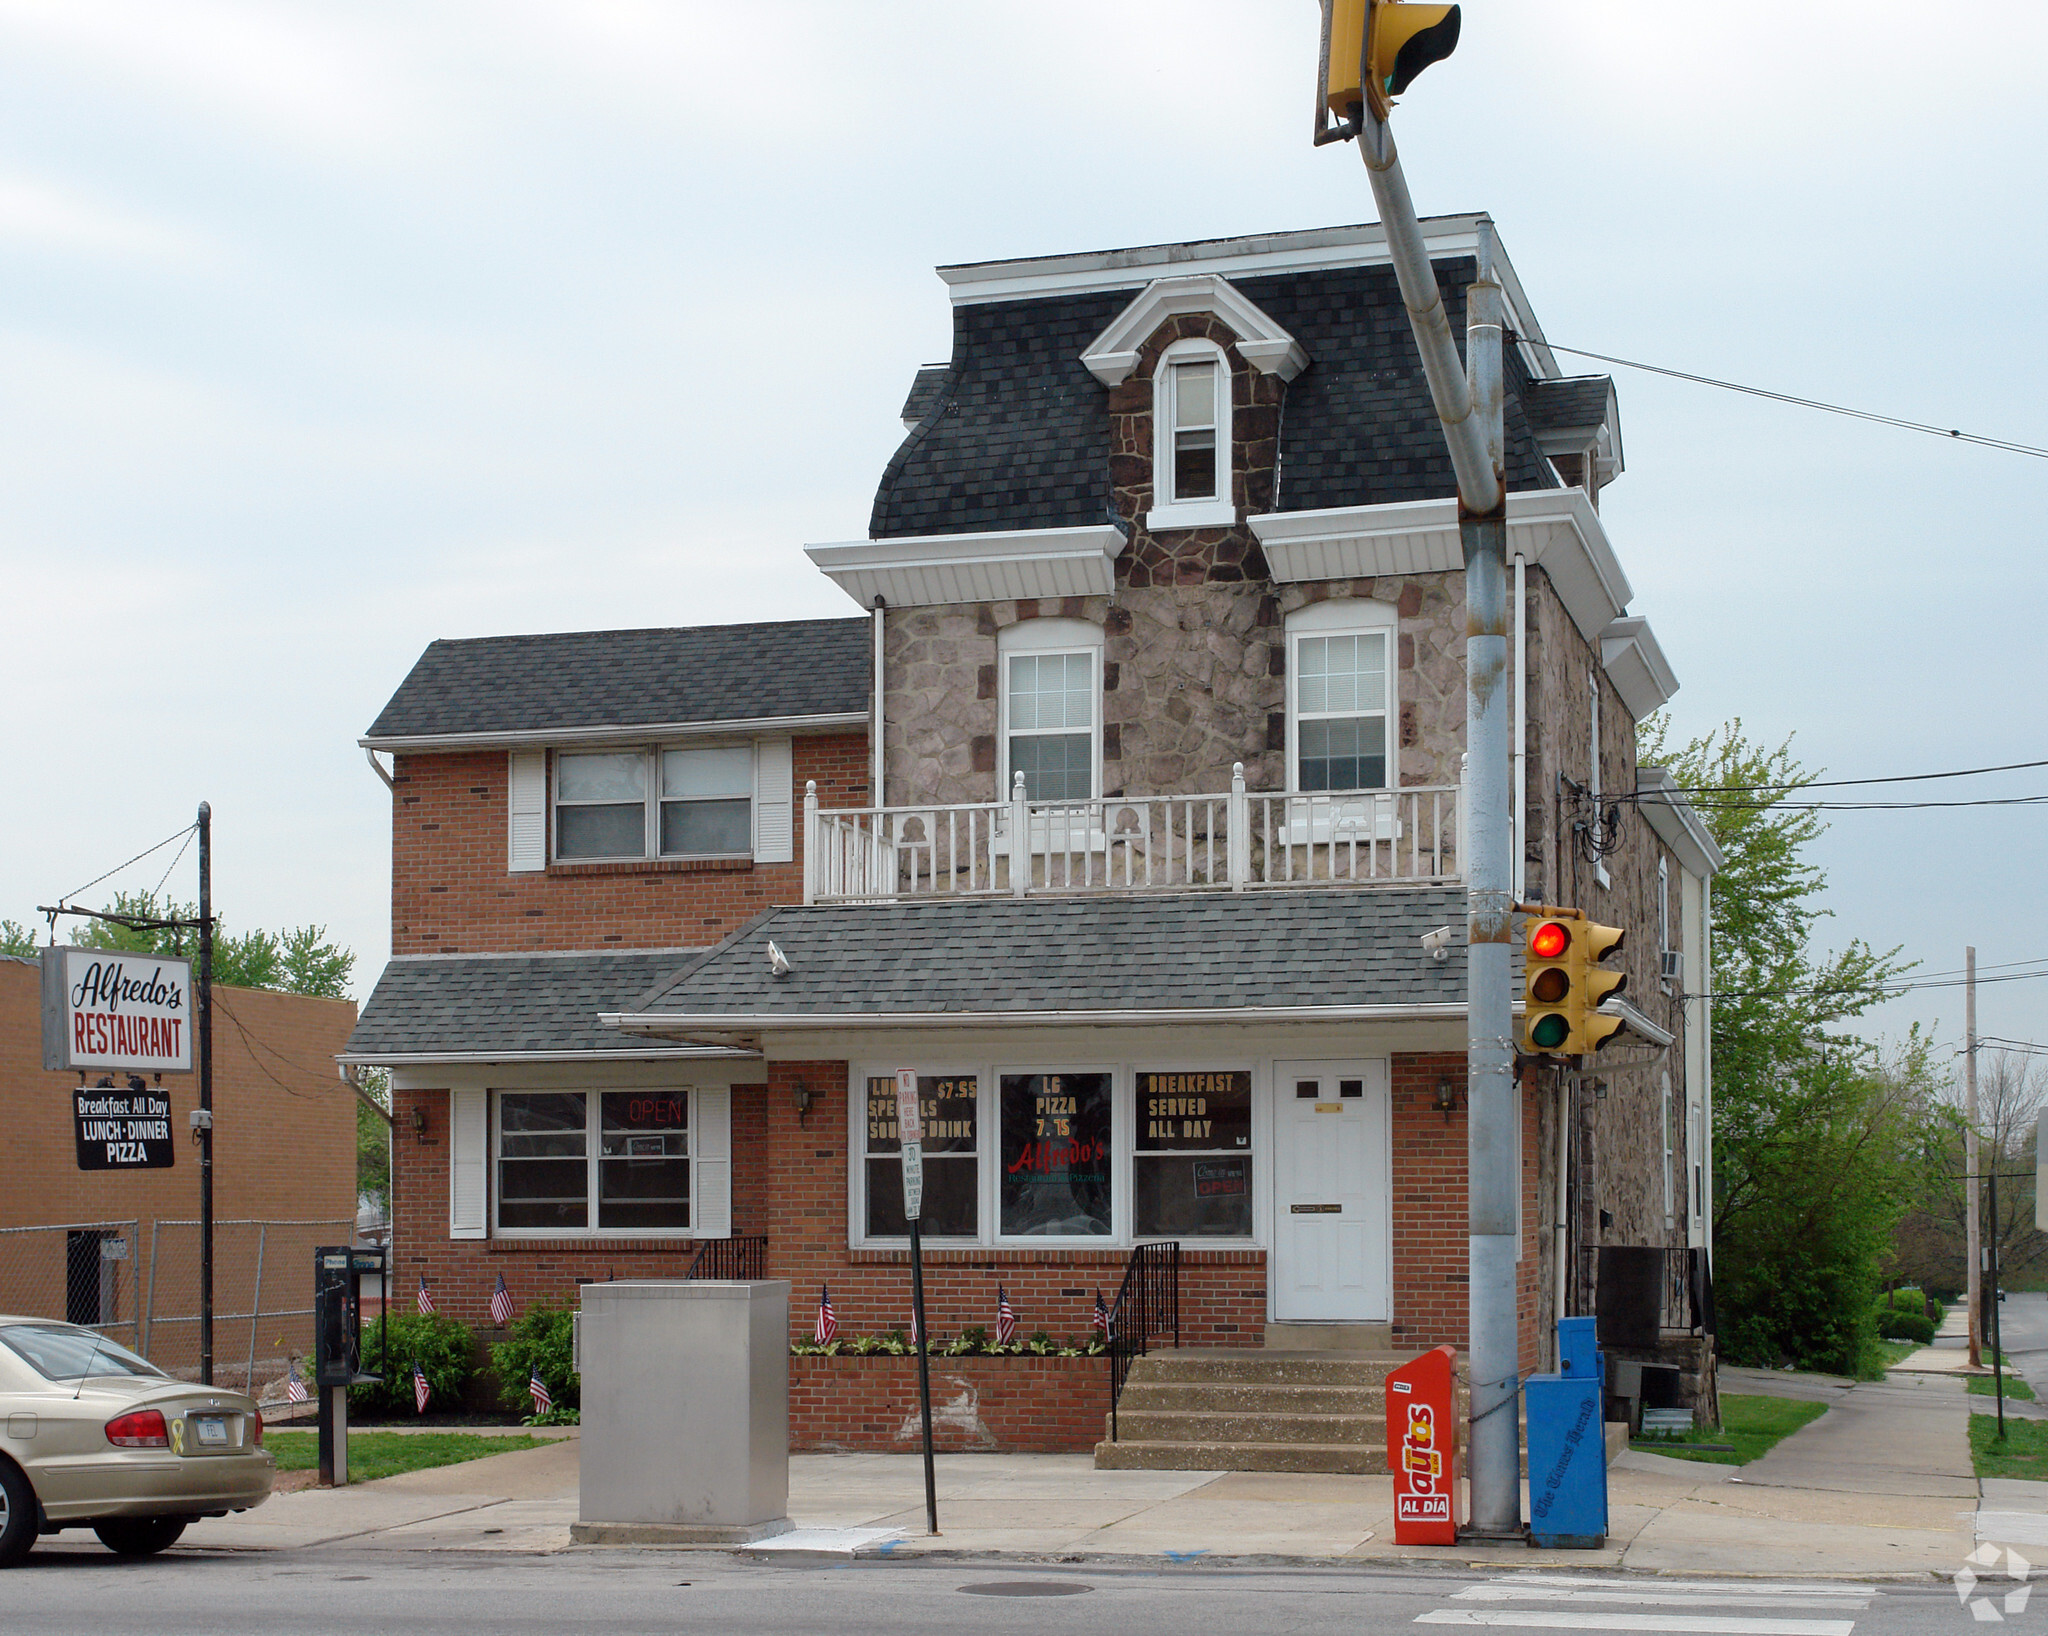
565 685
1014 435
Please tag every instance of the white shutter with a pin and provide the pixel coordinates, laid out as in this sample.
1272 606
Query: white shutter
711 1162
774 795
468 1162
526 837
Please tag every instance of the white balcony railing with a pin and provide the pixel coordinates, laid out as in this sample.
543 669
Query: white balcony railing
1236 841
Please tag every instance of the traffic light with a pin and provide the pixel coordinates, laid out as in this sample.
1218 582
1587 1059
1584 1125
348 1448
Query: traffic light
1390 42
1563 984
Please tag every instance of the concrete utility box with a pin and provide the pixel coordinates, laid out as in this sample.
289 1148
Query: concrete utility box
1568 1444
685 1413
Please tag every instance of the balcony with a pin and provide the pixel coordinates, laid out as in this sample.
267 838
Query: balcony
1234 841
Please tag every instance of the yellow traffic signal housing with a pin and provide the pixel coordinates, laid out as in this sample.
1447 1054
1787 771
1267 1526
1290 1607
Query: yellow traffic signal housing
1563 984
1385 44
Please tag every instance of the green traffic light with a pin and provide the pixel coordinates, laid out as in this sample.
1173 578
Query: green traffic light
1548 1033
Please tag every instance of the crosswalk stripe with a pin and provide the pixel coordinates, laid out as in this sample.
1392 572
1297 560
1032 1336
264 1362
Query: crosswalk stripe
1754 1587
1687 1596
1677 1624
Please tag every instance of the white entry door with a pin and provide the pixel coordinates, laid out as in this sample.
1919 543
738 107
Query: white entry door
1333 1193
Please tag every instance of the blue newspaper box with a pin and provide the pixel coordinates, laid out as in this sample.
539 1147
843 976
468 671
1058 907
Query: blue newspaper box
1568 1445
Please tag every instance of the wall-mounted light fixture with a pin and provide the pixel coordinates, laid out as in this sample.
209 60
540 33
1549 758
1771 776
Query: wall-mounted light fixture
805 1096
419 1124
1446 1102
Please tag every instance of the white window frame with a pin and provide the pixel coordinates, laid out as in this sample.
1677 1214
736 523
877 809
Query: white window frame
1047 639
650 830
1322 815
1123 1090
1663 919
591 1156
1210 511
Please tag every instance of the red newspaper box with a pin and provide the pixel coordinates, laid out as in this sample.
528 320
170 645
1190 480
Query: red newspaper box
1422 1447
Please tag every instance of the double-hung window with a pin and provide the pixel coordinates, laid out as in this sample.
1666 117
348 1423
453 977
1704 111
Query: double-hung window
1051 712
654 803
1191 440
593 1161
1341 690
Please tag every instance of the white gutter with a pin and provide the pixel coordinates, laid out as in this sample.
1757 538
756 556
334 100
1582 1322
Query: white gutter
555 736
428 1059
1521 728
663 1024
377 767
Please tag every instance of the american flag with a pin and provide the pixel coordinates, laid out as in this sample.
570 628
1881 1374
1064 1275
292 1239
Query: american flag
295 1387
537 1389
423 1300
915 1338
1101 1324
420 1394
1006 1319
501 1304
828 1320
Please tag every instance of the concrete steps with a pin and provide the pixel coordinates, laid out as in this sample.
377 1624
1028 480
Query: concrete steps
1221 1409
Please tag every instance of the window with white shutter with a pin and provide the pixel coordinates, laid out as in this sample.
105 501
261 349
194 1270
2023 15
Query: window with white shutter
774 799
526 839
468 1162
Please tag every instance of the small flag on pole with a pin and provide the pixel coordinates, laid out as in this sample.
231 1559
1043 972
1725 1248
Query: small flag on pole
420 1394
1006 1319
295 1387
423 1300
501 1304
1101 1324
828 1320
537 1389
915 1338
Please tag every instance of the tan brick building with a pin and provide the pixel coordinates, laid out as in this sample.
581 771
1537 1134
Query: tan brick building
1120 816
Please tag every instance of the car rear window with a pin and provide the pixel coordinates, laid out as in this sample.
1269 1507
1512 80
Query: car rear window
61 1353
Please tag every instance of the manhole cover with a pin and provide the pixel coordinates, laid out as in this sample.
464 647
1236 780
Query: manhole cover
1028 1587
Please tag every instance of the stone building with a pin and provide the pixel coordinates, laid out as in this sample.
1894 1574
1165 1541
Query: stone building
1122 815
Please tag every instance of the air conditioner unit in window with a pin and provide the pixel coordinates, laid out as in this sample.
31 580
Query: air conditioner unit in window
1671 965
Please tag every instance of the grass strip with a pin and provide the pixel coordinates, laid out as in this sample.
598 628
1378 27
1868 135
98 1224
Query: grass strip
2016 1390
1752 1426
2023 1453
385 1454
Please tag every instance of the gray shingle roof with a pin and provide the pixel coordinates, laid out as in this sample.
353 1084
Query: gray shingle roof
1030 955
924 393
1580 401
508 1005
589 679
1018 436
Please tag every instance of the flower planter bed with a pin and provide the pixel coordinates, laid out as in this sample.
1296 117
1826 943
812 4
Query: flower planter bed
1008 1405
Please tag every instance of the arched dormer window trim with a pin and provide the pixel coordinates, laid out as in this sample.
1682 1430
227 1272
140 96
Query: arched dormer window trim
1192 468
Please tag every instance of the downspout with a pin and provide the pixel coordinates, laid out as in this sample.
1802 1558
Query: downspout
875 720
1521 791
377 767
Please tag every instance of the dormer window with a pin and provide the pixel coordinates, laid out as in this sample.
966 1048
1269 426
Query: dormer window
1191 453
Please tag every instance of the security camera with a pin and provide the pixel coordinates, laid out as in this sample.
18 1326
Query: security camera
778 962
1438 943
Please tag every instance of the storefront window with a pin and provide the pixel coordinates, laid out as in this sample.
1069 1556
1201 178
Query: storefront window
643 1171
1192 1168
947 1105
1055 1155
639 1183
543 1171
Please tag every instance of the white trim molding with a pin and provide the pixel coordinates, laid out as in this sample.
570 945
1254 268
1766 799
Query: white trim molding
1557 529
1637 1023
574 738
1636 666
926 570
1260 341
1662 802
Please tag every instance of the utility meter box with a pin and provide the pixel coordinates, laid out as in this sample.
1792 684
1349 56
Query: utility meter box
1568 1444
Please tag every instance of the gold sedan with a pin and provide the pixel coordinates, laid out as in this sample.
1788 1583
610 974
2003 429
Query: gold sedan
92 1436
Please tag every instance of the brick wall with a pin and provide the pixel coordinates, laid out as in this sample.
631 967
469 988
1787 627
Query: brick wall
997 1405
451 892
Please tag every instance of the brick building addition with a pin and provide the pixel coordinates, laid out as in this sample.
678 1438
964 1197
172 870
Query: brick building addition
1127 814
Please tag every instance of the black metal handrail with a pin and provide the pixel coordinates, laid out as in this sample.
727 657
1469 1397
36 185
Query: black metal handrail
742 1258
1147 1306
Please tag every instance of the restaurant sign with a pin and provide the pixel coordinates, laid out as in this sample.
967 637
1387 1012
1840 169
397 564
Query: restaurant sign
124 1129
103 1009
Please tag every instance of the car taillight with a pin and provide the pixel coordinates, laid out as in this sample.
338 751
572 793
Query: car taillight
139 1429
256 1428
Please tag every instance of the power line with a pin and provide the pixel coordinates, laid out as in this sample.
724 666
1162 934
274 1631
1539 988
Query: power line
1831 783
1807 403
145 852
1783 805
1881 990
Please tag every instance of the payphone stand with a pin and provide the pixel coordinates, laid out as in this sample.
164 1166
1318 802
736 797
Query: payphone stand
338 1271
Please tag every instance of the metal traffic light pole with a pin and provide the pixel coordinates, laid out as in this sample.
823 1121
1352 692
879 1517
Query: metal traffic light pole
1468 402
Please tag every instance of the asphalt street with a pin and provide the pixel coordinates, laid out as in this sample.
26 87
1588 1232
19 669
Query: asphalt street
367 1593
2023 1327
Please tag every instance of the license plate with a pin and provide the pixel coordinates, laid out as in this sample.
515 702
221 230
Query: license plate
211 1431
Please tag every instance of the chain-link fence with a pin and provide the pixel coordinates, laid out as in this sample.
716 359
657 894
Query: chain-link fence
137 1282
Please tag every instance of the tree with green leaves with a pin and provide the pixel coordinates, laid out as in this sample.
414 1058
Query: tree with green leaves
1813 1129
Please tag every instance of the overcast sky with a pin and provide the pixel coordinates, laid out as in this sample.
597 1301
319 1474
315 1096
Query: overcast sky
328 329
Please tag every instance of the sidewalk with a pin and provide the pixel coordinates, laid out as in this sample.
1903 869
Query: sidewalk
1880 1485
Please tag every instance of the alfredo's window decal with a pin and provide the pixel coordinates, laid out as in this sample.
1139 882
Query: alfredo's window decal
1054 1159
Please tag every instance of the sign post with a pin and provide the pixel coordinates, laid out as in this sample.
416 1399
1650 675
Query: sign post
1422 1448
910 1130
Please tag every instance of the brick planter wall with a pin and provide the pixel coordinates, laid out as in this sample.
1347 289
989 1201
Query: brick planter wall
985 1405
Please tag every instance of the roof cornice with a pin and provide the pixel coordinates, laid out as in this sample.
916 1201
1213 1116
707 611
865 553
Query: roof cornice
924 570
1261 342
554 737
1637 666
1662 802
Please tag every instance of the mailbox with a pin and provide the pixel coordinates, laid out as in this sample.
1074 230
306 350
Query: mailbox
1422 1446
1568 1444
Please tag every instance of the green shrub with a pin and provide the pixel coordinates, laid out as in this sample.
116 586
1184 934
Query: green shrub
1894 1325
444 1349
541 1340
1912 1300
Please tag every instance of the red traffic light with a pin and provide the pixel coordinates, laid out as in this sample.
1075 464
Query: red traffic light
1549 940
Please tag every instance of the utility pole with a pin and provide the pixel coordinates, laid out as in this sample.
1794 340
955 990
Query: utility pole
1972 1231
204 1120
1469 404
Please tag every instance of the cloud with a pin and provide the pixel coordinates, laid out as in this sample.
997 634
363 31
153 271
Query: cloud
45 216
